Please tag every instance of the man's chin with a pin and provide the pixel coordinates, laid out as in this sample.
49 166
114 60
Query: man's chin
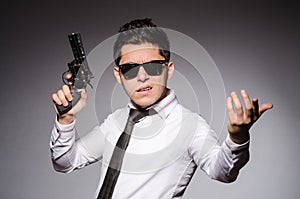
143 105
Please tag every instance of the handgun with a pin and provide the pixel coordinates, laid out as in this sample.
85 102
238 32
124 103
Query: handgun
81 73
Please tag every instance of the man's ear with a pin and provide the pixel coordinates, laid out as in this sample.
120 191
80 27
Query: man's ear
117 74
170 70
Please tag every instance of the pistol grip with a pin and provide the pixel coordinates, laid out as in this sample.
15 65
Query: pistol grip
64 109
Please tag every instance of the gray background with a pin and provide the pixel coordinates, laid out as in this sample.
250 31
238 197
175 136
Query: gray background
255 45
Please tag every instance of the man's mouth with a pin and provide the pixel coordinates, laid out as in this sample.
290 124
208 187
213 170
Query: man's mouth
144 89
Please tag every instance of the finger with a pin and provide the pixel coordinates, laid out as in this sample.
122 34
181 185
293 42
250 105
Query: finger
67 92
255 108
238 107
56 99
248 104
231 113
264 107
62 98
55 108
68 76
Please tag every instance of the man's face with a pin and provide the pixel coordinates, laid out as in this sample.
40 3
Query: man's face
144 89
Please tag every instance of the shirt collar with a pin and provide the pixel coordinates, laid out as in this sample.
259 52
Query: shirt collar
163 107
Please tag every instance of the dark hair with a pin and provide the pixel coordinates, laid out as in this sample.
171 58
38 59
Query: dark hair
141 31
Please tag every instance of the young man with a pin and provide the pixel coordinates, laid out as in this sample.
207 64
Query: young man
167 143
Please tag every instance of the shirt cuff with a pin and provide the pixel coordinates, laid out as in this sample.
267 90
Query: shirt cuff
63 128
234 146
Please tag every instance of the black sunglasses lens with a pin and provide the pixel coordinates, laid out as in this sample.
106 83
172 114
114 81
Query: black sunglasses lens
153 69
129 70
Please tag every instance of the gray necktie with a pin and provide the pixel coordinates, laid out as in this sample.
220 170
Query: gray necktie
116 160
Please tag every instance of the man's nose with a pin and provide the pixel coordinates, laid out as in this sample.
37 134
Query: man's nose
142 75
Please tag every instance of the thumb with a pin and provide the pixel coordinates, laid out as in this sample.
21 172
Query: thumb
264 107
83 94
80 104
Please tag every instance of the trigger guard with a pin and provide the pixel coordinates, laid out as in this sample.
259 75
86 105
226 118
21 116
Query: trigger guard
63 76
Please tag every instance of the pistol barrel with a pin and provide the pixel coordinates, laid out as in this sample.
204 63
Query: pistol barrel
77 47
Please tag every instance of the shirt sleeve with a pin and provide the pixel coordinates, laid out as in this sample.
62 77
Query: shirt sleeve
221 162
68 154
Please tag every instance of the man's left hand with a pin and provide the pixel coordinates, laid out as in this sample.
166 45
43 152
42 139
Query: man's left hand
241 120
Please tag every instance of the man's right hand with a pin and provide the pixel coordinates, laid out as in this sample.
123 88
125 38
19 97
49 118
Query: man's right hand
63 97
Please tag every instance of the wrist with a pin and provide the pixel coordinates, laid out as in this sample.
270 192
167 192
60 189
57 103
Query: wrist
65 119
239 138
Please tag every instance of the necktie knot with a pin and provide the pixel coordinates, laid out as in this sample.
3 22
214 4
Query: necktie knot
135 115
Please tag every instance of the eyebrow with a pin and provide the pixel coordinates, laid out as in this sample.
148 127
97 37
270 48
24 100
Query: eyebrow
130 62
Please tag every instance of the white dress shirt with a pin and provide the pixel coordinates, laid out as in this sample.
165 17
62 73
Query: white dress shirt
163 153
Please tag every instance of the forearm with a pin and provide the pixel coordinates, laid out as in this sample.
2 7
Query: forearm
225 161
66 153
62 143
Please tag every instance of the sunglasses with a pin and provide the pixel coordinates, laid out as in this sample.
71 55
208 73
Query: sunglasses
152 68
